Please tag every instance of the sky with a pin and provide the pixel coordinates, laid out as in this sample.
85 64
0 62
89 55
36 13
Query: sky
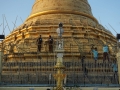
14 12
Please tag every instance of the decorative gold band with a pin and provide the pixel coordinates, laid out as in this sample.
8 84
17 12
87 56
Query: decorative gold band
61 12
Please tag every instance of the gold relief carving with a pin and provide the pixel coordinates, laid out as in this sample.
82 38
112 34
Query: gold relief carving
90 23
57 21
82 20
19 31
23 36
37 23
36 6
31 23
85 22
26 30
96 25
77 22
46 21
66 21
11 47
71 5
61 12
45 5
15 37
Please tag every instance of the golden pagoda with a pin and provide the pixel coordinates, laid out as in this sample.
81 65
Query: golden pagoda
23 64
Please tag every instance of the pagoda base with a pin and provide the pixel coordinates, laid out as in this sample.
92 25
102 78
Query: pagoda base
49 88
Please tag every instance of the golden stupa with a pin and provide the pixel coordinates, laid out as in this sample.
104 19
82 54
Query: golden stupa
22 64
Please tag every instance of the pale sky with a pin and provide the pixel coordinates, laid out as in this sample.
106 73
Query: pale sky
16 11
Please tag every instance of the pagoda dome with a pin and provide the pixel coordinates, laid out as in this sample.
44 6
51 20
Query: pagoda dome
63 10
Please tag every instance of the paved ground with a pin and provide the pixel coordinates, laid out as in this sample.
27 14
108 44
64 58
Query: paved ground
47 88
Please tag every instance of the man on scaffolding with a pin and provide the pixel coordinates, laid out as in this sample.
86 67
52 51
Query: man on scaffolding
39 43
105 53
95 54
82 61
50 42
115 69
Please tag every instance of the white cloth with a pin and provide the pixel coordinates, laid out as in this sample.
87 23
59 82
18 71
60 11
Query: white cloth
59 46
60 31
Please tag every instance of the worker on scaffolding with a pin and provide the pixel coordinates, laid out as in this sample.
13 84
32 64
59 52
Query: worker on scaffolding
82 61
85 70
50 42
115 69
105 53
39 43
95 54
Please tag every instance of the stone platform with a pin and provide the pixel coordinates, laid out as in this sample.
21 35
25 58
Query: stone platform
45 88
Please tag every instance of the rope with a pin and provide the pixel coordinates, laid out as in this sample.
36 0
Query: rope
7 24
112 28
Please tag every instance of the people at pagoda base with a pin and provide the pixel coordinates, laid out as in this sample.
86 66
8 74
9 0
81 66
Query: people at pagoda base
39 43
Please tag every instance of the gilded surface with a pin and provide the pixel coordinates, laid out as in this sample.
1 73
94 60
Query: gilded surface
81 31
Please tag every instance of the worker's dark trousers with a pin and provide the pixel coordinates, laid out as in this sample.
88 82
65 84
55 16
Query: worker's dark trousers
105 56
50 48
39 48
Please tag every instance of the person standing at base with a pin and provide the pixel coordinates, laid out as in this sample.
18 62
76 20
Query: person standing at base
39 43
105 53
50 42
95 54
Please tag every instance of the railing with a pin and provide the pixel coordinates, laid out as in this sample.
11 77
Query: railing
96 74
